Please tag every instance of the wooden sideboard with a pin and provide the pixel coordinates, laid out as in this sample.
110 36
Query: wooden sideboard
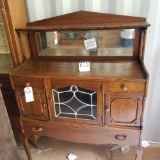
102 106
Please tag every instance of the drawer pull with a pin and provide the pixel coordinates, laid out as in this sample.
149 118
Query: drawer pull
121 137
36 129
124 87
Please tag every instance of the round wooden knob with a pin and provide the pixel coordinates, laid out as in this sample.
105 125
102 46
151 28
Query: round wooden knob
27 84
124 87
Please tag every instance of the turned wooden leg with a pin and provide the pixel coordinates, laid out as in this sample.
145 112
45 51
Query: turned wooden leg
33 139
24 139
139 153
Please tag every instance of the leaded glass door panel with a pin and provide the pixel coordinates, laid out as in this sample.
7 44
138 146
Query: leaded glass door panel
76 100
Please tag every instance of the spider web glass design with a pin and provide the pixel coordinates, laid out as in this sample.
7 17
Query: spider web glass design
75 102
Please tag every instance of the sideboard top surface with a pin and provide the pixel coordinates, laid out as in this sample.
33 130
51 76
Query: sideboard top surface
129 70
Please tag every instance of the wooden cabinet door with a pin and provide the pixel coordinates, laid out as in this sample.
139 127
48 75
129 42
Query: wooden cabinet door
123 110
37 109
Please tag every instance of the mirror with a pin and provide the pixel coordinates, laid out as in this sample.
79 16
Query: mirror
118 42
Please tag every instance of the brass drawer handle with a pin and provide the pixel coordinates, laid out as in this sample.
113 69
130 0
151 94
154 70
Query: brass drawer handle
36 129
124 87
121 137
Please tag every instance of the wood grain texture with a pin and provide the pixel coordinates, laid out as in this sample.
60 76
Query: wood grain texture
82 133
112 70
120 82
124 87
87 20
123 109
38 109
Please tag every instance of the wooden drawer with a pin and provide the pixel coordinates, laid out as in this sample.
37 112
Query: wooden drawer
18 82
124 87
81 133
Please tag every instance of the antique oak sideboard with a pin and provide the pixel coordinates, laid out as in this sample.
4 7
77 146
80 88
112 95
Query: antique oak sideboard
101 106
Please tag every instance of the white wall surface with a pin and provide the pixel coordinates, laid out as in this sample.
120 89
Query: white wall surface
150 9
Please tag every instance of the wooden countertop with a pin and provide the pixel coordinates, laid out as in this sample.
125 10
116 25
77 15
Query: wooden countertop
127 70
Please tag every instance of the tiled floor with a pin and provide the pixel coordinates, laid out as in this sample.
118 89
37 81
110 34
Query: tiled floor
51 149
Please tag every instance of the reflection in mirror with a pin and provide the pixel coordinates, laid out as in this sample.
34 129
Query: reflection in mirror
86 43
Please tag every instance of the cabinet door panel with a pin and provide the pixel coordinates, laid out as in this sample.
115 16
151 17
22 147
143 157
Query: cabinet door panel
76 100
123 109
36 109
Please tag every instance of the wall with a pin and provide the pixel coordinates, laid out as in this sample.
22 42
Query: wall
40 9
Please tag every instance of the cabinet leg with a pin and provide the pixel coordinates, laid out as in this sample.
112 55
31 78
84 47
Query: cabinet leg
139 153
24 139
34 140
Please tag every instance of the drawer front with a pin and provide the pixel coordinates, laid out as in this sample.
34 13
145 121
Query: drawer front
83 133
123 137
18 82
124 87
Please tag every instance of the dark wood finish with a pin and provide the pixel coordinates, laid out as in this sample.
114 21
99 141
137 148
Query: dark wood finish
83 20
33 44
10 101
21 83
24 139
120 83
144 42
34 140
137 42
8 146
